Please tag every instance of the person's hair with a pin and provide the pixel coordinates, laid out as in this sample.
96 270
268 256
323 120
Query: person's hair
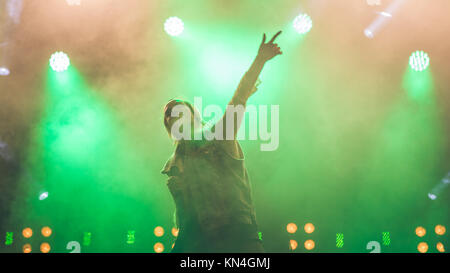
168 112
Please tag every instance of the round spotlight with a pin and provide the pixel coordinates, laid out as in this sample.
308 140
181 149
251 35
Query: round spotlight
419 61
59 61
159 231
440 247
309 228
174 26
302 23
310 244
291 228
369 33
27 232
158 247
46 231
45 248
43 196
422 247
420 231
293 244
26 248
175 231
439 229
4 71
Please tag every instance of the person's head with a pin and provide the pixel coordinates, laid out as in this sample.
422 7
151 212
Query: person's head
182 107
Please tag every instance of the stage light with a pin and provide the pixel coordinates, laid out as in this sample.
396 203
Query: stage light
310 244
386 238
43 196
419 61
45 248
422 247
87 238
339 240
9 238
175 231
158 247
27 232
302 23
291 228
440 247
59 61
293 244
439 229
420 231
174 26
4 71
26 248
46 231
159 231
309 228
130 237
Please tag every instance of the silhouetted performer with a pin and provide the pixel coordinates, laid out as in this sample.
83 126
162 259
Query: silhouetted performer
208 179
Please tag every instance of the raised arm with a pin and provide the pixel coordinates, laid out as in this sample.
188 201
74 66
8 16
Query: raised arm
236 107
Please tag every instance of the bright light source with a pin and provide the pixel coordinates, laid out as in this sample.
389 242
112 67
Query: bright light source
131 237
26 248
4 71
432 196
159 231
46 231
440 247
420 231
174 26
293 244
43 195
309 244
45 248
422 247
309 228
339 240
419 61
59 61
439 229
27 232
175 231
368 33
291 228
158 247
302 23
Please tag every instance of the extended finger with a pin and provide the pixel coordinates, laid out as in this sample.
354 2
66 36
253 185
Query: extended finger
264 38
275 36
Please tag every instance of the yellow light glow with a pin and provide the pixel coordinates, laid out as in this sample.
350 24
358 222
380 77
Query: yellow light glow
293 244
27 232
309 244
159 231
439 229
291 228
158 247
422 247
440 247
420 231
26 248
45 248
309 228
46 231
175 231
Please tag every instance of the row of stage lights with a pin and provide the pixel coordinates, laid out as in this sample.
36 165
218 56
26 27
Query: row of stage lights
291 228
309 244
46 232
174 26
